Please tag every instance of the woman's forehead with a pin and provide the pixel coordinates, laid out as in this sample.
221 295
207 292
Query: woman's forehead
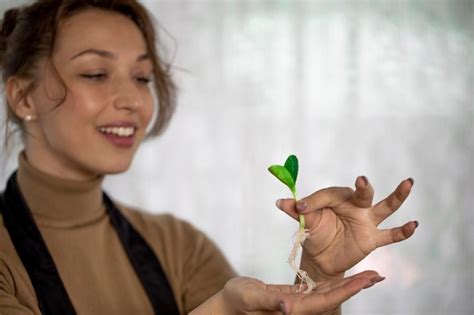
99 29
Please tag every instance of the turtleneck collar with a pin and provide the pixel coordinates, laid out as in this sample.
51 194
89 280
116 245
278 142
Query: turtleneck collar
57 202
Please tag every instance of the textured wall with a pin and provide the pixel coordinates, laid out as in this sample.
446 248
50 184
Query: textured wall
376 88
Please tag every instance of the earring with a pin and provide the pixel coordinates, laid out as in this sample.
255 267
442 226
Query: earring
28 118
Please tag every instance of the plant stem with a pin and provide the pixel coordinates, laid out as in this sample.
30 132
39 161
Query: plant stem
302 222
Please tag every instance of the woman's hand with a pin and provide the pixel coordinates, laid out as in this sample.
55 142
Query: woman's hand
343 225
250 296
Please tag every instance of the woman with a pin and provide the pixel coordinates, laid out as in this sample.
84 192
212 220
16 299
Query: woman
78 76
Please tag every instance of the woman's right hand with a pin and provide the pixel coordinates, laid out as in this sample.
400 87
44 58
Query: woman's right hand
244 295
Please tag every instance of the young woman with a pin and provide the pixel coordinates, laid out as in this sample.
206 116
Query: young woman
78 76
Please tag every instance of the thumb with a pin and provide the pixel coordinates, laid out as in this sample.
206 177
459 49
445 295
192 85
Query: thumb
324 198
244 294
269 301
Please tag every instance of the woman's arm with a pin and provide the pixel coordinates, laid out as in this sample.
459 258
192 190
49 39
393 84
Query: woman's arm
9 303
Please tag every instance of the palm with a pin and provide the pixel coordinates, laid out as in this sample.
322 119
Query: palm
250 296
340 237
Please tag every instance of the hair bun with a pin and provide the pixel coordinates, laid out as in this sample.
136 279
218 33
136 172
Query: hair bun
9 22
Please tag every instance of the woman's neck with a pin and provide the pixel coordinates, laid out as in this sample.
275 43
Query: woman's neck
55 165
59 202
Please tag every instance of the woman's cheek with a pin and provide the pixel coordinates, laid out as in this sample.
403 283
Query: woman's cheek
148 111
91 100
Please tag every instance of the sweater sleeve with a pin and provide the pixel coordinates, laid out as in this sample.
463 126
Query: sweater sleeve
194 265
206 270
9 304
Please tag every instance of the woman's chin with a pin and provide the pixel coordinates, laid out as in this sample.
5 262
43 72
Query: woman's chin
116 169
115 172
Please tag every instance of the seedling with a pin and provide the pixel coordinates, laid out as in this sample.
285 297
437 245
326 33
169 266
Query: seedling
287 174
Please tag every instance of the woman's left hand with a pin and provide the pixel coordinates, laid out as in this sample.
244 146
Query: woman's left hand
343 225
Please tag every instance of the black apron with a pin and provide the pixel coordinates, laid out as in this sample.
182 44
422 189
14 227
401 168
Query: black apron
50 291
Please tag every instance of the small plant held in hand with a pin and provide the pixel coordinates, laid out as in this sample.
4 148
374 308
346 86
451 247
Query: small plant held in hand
287 174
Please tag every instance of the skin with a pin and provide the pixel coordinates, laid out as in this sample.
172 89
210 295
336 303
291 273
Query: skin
102 88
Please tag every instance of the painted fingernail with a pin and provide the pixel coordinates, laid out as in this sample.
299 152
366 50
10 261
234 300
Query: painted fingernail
365 180
283 308
301 206
278 203
411 180
373 281
377 279
416 224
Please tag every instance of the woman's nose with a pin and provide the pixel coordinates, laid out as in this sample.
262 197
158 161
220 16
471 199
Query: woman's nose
127 96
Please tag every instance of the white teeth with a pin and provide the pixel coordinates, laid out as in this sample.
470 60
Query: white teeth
119 131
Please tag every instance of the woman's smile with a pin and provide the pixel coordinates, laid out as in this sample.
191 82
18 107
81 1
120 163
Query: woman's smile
119 133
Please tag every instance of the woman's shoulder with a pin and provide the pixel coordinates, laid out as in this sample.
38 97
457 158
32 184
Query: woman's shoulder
15 284
6 246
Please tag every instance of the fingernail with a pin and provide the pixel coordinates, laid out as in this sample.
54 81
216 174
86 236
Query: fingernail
377 279
283 308
301 206
373 281
411 180
365 180
278 203
416 224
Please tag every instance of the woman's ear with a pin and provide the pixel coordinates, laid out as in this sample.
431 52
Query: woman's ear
15 89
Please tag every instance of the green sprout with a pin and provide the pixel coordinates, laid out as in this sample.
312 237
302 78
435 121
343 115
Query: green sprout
287 174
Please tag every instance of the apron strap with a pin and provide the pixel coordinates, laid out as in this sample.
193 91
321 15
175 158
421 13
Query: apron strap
33 252
50 291
144 261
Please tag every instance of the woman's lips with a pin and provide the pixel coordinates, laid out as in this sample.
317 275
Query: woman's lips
120 135
120 141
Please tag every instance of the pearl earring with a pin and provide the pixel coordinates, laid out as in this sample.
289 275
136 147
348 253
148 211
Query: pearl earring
28 118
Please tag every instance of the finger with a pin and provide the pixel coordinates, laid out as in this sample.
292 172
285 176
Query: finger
364 193
389 236
288 206
324 198
268 300
328 301
326 286
389 205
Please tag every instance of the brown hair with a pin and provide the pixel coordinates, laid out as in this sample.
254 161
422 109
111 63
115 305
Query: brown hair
28 34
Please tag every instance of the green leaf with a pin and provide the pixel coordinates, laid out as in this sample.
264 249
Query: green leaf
291 165
284 175
287 175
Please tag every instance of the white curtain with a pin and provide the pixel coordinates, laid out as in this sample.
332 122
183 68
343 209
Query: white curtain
376 88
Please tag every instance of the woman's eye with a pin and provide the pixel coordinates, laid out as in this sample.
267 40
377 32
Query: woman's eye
143 80
94 76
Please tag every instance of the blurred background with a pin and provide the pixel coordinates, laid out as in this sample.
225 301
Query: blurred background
376 88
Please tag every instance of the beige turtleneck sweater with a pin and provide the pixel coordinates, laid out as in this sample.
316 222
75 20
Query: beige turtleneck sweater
90 259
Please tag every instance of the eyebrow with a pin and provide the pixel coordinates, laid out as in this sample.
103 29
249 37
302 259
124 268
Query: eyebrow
107 54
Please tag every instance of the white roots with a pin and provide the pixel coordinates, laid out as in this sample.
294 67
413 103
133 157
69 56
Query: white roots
305 281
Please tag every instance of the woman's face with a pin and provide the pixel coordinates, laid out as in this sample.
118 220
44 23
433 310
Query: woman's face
102 59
